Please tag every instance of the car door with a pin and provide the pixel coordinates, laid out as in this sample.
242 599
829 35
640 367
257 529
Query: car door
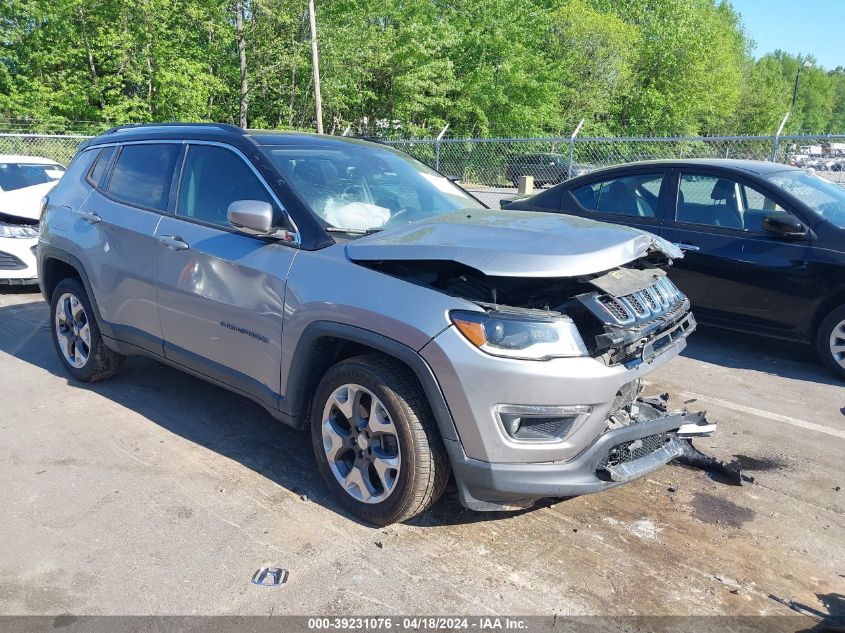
733 271
635 198
221 292
115 227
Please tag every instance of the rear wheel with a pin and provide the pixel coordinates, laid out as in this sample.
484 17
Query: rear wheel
76 335
830 341
376 441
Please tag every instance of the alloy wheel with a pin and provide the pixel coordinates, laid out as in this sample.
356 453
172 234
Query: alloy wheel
73 330
361 443
837 343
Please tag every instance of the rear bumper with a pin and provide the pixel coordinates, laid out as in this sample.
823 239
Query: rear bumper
497 486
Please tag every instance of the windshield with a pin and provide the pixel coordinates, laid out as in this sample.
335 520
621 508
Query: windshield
365 188
21 175
826 198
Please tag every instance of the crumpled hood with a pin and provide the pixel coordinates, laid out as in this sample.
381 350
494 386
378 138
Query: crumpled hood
513 243
25 203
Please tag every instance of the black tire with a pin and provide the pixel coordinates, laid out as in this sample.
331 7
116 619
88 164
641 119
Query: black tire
823 341
424 470
101 362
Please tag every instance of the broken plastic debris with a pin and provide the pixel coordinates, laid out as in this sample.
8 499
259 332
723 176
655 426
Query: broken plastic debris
694 458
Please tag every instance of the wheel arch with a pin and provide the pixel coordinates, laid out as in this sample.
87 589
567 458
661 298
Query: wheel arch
325 343
828 305
54 265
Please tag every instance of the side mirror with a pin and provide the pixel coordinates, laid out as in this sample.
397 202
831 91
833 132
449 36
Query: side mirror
251 216
784 225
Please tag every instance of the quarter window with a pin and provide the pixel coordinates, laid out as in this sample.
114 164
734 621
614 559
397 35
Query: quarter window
102 163
143 173
212 179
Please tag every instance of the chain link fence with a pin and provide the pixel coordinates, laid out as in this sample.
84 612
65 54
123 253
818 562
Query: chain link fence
491 168
59 148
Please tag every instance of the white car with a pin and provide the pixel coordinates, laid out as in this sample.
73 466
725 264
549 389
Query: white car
24 181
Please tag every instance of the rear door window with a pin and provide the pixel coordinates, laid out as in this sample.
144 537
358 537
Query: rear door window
143 173
634 195
587 195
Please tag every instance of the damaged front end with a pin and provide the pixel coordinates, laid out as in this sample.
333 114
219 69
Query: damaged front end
559 424
628 315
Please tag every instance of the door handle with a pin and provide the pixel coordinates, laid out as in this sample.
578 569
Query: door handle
173 242
91 217
692 248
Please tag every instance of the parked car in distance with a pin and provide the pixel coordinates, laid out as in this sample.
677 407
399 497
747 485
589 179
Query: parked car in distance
545 168
353 291
764 243
24 181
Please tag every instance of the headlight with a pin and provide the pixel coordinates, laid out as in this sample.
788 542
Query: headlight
520 336
16 230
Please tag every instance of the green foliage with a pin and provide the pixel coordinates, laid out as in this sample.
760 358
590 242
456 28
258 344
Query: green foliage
408 67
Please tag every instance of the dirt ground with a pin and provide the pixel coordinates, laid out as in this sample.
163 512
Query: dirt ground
156 493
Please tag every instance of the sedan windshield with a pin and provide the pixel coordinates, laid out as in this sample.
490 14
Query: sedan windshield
21 175
360 188
818 193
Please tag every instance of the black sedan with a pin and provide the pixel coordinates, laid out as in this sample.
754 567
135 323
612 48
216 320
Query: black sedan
764 243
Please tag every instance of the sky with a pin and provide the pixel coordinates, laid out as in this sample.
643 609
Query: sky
809 26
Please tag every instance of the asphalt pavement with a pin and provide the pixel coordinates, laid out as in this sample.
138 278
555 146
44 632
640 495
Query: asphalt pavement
157 493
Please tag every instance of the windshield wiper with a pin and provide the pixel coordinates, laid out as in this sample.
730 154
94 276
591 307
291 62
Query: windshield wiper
337 229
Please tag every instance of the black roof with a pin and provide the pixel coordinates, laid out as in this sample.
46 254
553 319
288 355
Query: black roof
218 132
759 167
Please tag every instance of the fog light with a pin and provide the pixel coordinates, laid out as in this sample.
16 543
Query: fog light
539 422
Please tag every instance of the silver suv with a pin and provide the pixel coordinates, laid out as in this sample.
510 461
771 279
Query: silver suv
353 291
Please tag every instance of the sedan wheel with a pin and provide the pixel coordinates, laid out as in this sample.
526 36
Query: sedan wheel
837 344
830 341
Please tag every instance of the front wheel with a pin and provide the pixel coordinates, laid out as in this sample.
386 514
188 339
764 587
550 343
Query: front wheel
76 335
830 341
376 441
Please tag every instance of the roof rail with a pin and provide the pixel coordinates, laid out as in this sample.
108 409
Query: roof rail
132 126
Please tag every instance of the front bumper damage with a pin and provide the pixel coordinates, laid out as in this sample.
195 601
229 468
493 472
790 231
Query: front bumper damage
653 438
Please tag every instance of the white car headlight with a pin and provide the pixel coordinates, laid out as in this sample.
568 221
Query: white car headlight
17 231
527 337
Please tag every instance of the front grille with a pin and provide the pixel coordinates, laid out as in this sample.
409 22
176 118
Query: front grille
653 305
635 449
10 262
614 306
642 305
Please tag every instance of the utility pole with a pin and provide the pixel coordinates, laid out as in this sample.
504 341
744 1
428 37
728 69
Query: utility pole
239 28
315 66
